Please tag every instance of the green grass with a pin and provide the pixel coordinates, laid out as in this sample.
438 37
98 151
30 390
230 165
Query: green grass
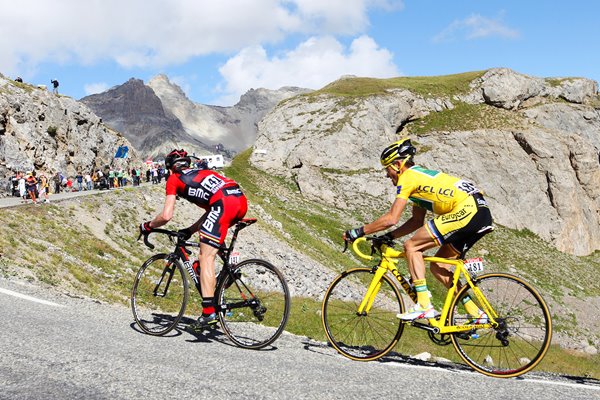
427 86
465 117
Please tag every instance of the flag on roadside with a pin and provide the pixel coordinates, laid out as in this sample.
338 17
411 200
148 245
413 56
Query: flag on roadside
122 152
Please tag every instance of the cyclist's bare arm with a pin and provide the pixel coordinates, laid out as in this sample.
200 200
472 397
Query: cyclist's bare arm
388 219
412 224
167 212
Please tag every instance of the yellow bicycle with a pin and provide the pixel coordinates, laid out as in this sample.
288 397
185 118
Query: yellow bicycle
362 325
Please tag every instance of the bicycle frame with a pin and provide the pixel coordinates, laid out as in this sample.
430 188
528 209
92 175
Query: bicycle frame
182 253
389 262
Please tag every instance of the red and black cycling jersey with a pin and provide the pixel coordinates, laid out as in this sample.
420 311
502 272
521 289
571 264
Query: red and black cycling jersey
201 187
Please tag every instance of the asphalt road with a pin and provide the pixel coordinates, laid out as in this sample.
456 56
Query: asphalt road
53 346
9 201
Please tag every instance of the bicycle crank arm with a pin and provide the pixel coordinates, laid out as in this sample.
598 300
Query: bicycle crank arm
239 304
424 326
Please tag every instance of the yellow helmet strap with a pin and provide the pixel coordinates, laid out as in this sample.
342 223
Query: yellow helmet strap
401 165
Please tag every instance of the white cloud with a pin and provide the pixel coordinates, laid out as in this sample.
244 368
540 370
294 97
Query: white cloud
155 33
313 64
93 88
476 27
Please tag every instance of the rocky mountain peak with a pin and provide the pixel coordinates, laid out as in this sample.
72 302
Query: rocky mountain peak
134 109
163 88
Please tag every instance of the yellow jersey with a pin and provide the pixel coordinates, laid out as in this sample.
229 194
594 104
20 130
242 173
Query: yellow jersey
433 190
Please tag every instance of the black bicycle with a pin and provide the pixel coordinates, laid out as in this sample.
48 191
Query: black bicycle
252 296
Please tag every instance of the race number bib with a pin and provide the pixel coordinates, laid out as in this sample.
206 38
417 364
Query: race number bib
212 183
466 186
474 265
234 258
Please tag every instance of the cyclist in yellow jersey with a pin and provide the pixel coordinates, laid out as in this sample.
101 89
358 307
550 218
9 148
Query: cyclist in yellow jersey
461 218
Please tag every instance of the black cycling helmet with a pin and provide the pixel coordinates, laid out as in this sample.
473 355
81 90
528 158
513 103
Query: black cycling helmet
177 160
396 151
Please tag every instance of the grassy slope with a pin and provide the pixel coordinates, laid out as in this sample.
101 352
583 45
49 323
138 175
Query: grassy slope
427 86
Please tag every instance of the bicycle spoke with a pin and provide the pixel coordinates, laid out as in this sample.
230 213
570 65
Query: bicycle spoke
159 295
522 336
366 336
263 292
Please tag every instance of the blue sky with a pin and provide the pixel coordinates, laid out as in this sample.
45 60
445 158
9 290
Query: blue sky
217 50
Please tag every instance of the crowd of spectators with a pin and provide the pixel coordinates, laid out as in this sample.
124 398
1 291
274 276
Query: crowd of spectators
35 187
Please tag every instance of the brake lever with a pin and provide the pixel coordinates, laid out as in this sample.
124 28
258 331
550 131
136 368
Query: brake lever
146 242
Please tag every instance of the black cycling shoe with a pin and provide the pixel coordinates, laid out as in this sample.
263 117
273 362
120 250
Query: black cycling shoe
205 321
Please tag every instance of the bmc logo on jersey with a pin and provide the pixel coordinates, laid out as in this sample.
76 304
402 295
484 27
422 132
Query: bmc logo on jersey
198 192
211 219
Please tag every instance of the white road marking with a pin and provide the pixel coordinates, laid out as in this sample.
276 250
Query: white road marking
518 379
23 296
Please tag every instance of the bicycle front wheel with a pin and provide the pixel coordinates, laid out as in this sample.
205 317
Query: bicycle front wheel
253 308
159 295
364 336
522 336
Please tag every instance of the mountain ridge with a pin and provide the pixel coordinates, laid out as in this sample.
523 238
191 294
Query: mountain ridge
187 124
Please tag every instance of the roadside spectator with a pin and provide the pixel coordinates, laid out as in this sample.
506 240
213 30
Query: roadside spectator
148 174
79 179
54 83
154 174
44 188
57 179
69 184
135 177
88 182
120 178
19 79
31 185
111 178
14 185
22 187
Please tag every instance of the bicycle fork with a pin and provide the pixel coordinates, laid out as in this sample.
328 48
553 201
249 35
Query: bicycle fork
374 286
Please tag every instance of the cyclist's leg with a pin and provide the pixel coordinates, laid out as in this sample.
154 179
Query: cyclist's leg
228 207
441 271
208 280
414 248
212 234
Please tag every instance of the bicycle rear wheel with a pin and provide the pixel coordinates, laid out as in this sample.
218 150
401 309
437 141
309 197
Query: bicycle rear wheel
159 295
254 308
522 336
362 337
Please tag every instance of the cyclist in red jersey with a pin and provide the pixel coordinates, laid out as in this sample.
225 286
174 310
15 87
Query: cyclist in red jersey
224 204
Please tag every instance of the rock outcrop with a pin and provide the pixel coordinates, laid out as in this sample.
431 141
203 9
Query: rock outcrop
50 133
538 164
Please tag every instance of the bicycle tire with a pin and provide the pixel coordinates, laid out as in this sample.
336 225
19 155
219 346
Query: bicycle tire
362 337
158 304
522 337
254 308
